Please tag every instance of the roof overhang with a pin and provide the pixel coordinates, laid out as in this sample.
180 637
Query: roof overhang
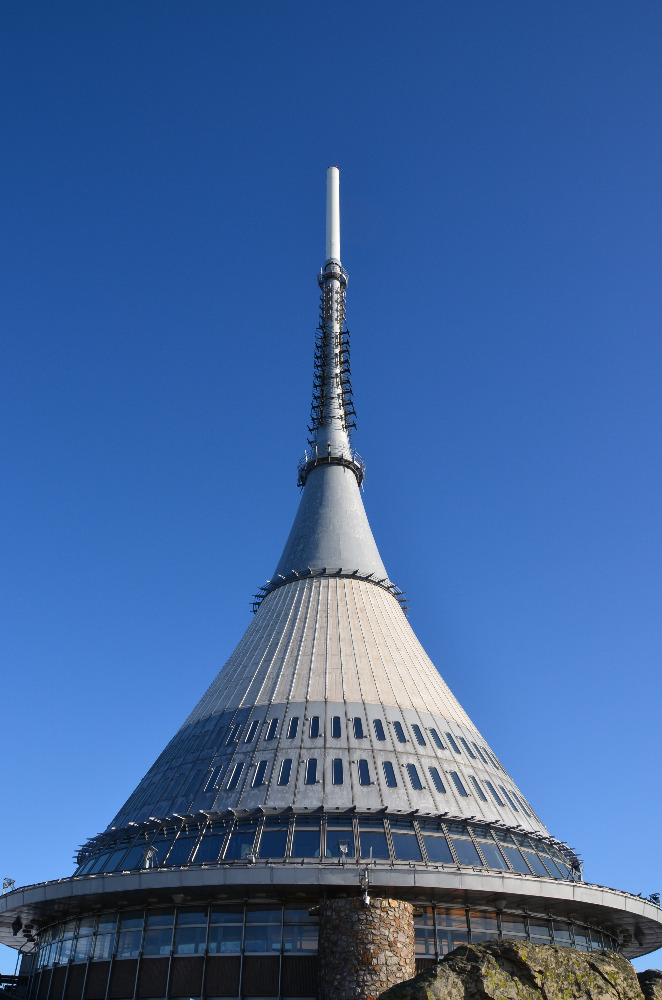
638 920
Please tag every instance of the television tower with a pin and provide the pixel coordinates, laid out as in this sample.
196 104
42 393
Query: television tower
327 819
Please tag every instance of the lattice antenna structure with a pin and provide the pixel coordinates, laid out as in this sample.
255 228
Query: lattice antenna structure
332 384
332 413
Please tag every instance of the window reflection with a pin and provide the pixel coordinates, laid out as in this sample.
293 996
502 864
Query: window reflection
263 931
484 926
191 933
389 774
466 852
437 850
226 930
130 934
274 839
364 773
210 848
306 838
436 739
512 926
451 928
158 931
285 771
105 939
339 838
241 840
373 843
266 929
180 851
436 780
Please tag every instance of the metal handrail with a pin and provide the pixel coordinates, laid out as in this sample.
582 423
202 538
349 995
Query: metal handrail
349 458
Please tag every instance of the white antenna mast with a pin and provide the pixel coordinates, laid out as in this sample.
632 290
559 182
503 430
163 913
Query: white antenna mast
332 215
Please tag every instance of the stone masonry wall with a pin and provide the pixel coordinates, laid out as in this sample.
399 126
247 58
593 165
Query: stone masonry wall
363 950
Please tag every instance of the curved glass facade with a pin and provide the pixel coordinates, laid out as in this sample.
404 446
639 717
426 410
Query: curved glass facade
225 839
229 950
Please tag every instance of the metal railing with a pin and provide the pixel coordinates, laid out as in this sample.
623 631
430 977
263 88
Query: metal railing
349 458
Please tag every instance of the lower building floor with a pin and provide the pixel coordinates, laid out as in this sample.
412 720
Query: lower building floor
261 950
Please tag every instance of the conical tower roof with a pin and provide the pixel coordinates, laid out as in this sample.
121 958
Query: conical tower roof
329 685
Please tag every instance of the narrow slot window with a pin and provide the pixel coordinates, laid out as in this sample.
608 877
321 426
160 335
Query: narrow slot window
335 727
389 775
452 742
467 748
212 778
521 802
252 729
479 791
285 772
494 794
234 777
311 772
436 780
458 783
314 728
509 798
480 753
233 735
337 771
271 729
260 771
420 739
437 740
399 732
293 727
358 729
414 778
364 773
379 729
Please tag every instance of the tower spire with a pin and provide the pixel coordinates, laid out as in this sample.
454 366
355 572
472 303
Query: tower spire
332 412
331 534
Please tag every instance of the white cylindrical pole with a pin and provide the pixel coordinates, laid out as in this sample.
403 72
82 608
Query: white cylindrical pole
333 214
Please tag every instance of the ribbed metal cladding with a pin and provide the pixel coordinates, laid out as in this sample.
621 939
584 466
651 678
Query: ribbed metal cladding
330 671
336 640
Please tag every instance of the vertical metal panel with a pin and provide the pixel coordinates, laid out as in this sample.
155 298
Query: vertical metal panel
57 982
299 976
222 976
186 976
97 980
33 991
260 975
45 983
153 977
75 982
123 979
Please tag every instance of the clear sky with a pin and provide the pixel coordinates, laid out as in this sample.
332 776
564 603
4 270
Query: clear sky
163 222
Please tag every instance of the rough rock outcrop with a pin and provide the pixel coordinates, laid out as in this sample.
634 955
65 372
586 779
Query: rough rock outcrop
650 982
518 970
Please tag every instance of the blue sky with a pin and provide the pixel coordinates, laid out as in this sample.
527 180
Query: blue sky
163 188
